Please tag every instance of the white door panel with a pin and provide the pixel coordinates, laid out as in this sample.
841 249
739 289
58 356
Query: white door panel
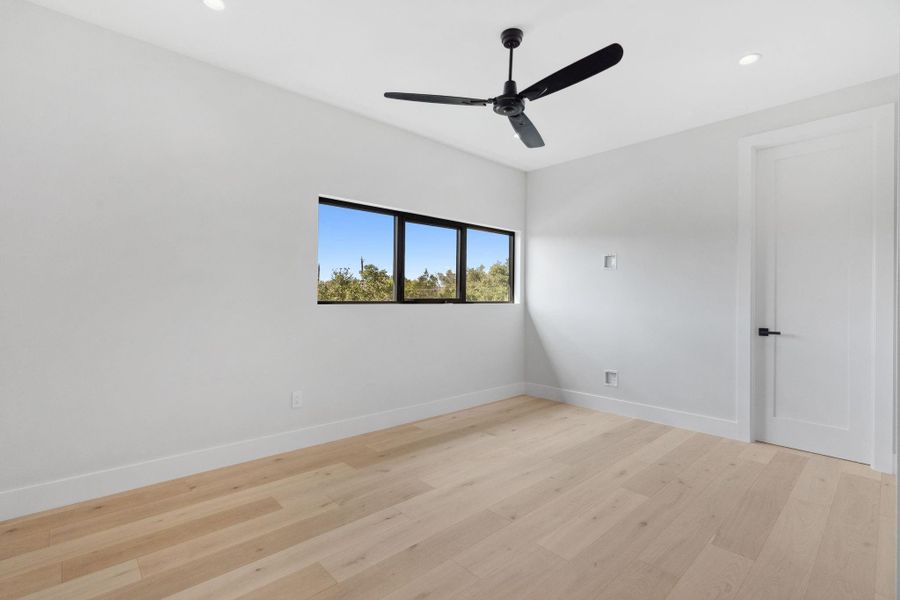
814 284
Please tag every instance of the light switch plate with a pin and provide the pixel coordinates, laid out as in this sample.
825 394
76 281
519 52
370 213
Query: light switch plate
297 399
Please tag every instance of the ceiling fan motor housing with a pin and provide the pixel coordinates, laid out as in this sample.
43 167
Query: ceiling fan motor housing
511 38
509 104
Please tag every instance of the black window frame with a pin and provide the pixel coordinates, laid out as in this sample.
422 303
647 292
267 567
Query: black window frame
401 218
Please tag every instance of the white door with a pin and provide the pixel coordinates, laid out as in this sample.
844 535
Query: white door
817 213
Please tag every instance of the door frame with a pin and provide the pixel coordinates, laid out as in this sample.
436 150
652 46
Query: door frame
881 119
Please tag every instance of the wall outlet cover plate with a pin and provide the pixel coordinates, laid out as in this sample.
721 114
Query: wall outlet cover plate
611 378
609 262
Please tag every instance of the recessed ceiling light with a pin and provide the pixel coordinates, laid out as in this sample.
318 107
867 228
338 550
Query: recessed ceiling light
516 135
749 59
215 4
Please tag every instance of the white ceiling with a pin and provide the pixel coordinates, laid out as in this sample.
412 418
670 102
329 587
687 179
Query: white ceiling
679 71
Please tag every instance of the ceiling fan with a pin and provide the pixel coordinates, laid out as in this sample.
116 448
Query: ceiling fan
511 103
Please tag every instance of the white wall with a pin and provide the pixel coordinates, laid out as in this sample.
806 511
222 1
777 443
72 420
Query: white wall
158 267
666 319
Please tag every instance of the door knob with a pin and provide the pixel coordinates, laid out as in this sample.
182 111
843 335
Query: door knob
765 331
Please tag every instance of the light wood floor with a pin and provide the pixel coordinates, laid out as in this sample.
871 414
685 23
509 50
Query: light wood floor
520 499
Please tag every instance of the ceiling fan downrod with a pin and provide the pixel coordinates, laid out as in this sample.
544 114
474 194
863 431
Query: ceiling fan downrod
511 38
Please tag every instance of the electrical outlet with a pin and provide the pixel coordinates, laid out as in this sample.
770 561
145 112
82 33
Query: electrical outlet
611 378
297 399
610 262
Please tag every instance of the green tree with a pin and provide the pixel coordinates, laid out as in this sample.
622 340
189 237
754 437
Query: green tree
372 285
488 285
376 284
432 285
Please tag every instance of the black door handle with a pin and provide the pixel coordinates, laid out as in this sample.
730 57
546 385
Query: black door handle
764 331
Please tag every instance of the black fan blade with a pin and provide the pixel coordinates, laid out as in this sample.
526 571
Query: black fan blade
458 100
526 131
578 71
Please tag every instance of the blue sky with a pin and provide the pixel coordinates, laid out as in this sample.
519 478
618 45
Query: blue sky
485 248
432 248
346 234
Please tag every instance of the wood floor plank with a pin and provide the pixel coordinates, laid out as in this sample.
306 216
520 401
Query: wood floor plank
329 530
416 561
90 586
541 422
679 544
246 567
440 583
365 553
553 429
118 553
564 437
30 581
398 436
860 470
517 580
818 480
609 441
537 495
888 504
229 485
640 581
485 416
140 527
523 499
398 466
489 460
609 452
782 568
295 511
172 556
716 574
885 580
580 532
479 493
303 584
652 479
494 552
14 541
846 562
604 560
68 515
751 523
762 453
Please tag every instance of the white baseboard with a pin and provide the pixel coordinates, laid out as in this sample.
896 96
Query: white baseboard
52 494
647 412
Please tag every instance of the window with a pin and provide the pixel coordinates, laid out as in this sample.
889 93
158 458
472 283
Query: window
487 266
356 255
372 255
430 262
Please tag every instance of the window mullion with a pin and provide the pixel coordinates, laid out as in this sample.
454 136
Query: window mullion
512 268
461 263
399 259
